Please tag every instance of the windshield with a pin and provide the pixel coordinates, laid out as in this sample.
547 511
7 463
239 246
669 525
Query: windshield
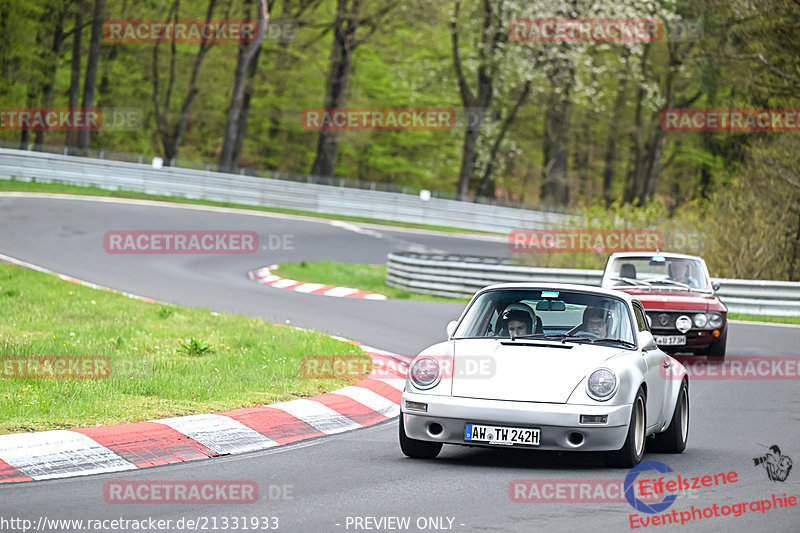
659 272
570 316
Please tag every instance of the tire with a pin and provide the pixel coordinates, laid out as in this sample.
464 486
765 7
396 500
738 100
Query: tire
717 348
417 449
674 438
632 451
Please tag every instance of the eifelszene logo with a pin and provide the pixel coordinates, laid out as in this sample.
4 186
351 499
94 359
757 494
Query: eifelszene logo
777 466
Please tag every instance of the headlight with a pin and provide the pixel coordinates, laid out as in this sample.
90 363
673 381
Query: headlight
601 384
700 320
715 320
424 373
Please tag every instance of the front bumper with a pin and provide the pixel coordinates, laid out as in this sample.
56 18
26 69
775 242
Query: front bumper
695 339
556 421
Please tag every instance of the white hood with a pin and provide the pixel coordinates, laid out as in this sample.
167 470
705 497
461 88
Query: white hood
547 372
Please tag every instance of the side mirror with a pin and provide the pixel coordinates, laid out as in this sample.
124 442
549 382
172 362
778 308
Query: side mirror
646 341
715 285
451 328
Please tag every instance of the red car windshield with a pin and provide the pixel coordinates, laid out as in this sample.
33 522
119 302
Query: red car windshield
659 272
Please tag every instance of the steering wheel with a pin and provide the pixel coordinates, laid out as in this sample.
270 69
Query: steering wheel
576 331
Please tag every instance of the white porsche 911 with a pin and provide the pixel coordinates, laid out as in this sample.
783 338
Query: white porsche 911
549 367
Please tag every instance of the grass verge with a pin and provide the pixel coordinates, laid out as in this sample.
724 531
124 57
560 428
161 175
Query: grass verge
33 186
357 276
165 360
761 318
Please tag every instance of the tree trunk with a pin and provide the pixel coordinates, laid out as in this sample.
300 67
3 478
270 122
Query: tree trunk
485 92
248 95
171 138
347 20
556 149
487 185
246 65
90 80
467 163
611 145
75 73
48 90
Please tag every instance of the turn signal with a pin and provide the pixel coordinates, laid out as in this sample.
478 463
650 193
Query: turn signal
716 333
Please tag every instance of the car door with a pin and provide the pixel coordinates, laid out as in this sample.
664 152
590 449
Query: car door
656 376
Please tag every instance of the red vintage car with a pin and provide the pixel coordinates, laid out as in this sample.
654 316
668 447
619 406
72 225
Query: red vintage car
678 296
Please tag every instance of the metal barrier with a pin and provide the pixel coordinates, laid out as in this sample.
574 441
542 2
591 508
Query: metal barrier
443 275
461 276
270 192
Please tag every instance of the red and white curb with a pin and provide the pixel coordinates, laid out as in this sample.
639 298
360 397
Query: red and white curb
265 277
79 452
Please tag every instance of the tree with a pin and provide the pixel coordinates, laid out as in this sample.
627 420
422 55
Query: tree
484 62
246 64
171 136
90 80
348 20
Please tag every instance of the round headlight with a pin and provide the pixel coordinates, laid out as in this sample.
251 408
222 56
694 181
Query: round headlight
424 373
683 323
700 320
602 384
715 320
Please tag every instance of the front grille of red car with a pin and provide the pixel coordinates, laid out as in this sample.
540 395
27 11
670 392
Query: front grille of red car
655 318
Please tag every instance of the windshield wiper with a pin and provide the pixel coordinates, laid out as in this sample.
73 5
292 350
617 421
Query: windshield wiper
563 337
529 336
628 280
669 282
620 341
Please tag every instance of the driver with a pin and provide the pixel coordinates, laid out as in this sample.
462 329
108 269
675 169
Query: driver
680 273
517 322
594 321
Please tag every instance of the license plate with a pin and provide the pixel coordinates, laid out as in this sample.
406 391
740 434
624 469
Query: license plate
502 436
670 340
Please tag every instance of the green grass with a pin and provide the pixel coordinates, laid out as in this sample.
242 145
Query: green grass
357 276
36 187
165 360
761 318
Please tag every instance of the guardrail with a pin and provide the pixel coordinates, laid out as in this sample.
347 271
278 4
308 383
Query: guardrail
460 276
270 192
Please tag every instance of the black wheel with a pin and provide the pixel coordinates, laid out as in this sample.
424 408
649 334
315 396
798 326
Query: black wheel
418 449
632 451
717 348
673 439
